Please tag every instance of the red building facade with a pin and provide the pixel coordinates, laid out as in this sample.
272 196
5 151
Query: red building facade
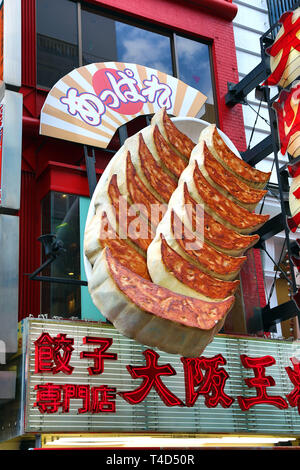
52 165
59 360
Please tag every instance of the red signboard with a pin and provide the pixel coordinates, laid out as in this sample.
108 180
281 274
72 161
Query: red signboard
202 376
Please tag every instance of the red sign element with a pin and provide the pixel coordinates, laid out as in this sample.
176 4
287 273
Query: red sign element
83 392
294 169
151 378
202 376
98 355
48 397
51 397
211 385
260 382
48 357
288 117
103 399
293 222
118 90
283 45
294 375
70 392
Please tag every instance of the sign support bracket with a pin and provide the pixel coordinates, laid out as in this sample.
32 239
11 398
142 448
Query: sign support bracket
90 162
237 93
53 248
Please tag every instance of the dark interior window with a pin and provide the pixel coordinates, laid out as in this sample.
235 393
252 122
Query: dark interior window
99 43
193 59
57 40
60 216
126 43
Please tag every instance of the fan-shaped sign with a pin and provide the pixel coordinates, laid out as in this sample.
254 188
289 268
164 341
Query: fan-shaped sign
90 103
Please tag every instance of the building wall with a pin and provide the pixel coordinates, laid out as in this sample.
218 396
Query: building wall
251 21
206 20
249 24
230 65
235 51
10 169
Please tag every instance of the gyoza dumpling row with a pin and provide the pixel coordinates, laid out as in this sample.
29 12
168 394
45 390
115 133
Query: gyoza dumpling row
207 227
144 174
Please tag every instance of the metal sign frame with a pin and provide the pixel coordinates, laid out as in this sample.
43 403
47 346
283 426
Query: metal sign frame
237 93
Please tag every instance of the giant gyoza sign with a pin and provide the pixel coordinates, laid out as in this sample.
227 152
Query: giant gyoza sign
90 103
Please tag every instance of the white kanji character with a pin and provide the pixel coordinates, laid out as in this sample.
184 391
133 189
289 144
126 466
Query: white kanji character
155 90
89 107
123 90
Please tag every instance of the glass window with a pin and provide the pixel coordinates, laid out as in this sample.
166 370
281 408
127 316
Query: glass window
98 38
64 215
126 43
193 60
60 216
104 38
143 47
57 40
88 310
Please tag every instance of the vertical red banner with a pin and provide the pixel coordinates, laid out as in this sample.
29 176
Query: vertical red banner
1 147
1 79
1 37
